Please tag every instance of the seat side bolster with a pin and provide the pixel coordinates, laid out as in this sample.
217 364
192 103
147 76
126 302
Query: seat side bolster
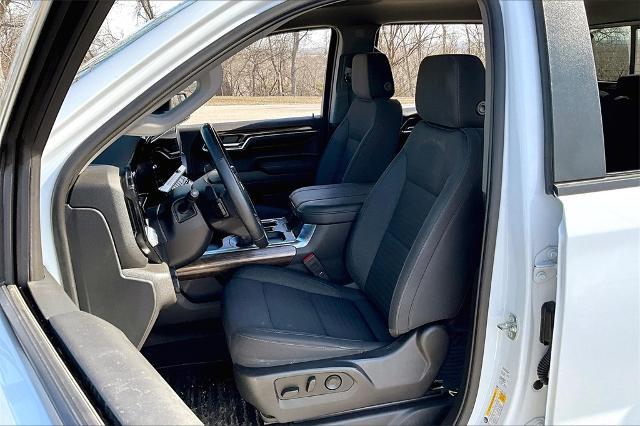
438 268
260 347
373 220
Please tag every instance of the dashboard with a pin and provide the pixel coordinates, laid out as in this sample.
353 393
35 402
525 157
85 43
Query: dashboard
157 175
156 165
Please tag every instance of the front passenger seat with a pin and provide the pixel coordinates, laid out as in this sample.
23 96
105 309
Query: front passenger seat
304 347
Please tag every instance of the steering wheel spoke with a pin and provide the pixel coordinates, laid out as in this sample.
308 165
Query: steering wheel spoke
236 191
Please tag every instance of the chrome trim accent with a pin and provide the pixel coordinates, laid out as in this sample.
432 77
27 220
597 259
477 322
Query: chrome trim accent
305 235
238 146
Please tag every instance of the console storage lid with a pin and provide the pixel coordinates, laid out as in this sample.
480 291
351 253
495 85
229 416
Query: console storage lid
326 204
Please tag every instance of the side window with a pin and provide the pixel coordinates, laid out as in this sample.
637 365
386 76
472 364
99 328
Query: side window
407 44
636 68
13 19
280 76
617 70
126 21
612 52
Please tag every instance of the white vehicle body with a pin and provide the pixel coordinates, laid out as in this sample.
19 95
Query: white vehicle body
596 234
115 82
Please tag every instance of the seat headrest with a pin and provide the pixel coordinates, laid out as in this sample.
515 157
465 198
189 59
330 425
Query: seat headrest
628 85
371 76
450 91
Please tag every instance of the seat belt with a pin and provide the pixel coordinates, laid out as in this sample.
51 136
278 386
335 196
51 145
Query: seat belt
314 266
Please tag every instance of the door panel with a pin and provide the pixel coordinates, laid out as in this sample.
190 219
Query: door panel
272 157
596 328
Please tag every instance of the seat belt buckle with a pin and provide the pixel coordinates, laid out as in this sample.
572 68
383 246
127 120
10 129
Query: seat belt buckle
314 266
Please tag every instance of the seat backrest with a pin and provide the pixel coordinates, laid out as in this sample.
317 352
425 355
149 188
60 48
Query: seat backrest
364 143
414 248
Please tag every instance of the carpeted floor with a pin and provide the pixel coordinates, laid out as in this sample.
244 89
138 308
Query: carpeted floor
197 366
209 390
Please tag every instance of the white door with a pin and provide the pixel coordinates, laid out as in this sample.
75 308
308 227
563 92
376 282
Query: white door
595 359
595 375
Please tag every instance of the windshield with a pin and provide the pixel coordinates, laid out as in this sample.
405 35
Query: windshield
127 21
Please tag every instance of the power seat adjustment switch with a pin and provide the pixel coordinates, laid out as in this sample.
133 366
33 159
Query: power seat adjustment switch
333 382
311 385
290 392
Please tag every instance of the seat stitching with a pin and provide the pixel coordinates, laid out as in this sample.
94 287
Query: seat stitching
299 345
364 319
395 237
302 334
315 280
427 190
266 303
315 309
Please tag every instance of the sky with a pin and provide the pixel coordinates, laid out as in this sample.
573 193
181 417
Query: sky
123 19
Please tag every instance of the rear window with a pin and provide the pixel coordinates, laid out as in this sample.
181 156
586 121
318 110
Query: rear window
612 52
615 52
407 44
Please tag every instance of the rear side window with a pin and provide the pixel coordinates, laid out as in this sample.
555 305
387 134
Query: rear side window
637 52
615 52
407 44
612 52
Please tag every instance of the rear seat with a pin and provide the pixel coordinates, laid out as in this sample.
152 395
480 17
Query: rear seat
620 112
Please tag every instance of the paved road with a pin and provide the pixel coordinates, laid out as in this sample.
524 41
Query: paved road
230 113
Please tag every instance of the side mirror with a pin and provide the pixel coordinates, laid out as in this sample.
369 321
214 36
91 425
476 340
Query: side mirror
179 106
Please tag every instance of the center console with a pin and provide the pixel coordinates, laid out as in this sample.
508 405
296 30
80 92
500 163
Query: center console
329 204
321 221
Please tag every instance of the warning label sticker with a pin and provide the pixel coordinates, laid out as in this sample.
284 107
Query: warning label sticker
498 399
496 404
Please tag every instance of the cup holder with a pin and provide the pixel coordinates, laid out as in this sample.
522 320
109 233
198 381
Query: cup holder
278 230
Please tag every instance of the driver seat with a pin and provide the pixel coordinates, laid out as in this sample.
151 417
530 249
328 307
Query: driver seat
303 347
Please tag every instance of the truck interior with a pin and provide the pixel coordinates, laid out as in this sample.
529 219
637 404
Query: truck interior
313 268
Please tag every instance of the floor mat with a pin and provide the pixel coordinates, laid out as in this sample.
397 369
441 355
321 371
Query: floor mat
194 361
209 390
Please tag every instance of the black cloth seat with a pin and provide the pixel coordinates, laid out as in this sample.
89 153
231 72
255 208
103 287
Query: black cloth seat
412 252
366 140
275 316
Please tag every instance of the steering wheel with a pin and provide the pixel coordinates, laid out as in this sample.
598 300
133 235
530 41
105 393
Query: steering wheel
237 193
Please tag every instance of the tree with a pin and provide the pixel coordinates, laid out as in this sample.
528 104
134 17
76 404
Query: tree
406 46
13 16
145 10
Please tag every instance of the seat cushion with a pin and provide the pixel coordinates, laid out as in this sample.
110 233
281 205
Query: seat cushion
275 316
